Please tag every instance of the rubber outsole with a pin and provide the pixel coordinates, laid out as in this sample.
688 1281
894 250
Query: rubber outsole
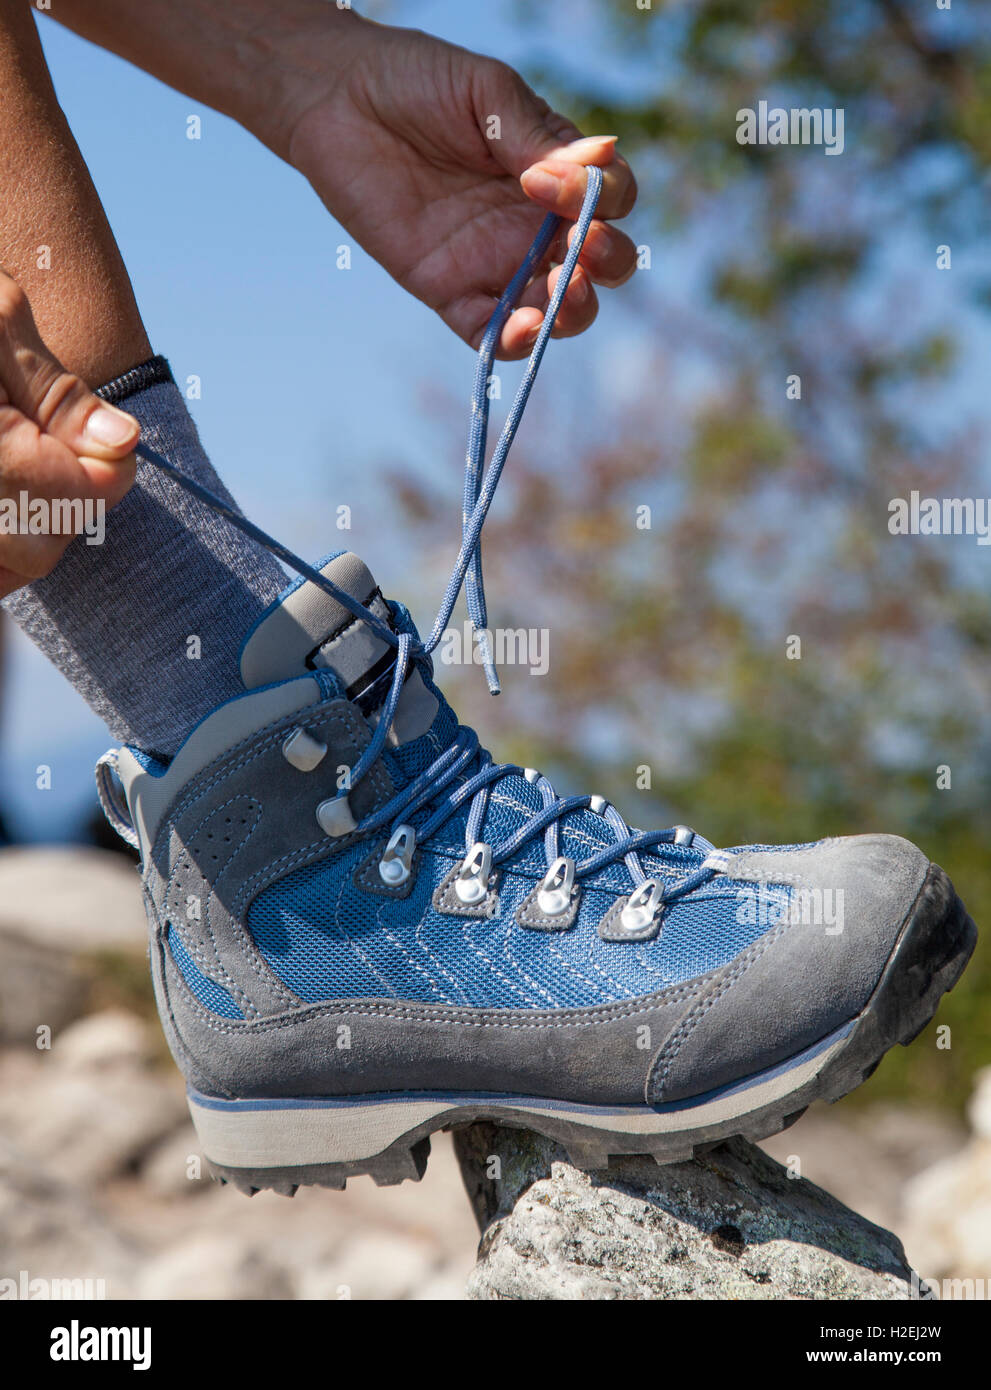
932 951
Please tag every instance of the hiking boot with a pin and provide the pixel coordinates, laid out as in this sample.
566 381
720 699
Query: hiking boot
345 964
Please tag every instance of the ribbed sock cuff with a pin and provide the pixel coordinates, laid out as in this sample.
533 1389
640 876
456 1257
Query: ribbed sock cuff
154 372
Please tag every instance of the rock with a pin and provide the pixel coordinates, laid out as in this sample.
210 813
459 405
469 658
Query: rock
948 1207
375 1264
979 1109
92 1107
38 989
176 1166
729 1224
214 1267
108 1040
72 899
49 1231
948 1217
865 1154
66 916
445 1286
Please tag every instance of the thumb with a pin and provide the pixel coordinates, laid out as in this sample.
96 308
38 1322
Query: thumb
547 152
58 402
531 131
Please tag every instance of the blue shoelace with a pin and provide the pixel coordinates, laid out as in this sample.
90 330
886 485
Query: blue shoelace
441 785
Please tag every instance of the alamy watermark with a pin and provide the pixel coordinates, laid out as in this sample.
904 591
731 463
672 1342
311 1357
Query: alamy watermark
509 646
916 515
950 1290
54 516
81 1342
25 1287
799 125
810 907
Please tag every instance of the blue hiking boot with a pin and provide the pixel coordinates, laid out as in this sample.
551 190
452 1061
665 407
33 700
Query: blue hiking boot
364 930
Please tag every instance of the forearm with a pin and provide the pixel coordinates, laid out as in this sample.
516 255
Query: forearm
54 237
254 60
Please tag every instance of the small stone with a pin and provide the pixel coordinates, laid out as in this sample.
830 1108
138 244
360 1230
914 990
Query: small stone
979 1109
66 917
176 1167
49 1232
90 1108
214 1267
111 1038
375 1264
71 900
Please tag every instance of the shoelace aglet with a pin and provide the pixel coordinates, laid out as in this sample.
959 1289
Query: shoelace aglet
488 665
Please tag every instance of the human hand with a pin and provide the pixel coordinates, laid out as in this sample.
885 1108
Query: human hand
392 127
58 444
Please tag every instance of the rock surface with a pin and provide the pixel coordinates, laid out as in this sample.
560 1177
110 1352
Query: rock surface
65 915
50 1231
92 1106
948 1208
730 1224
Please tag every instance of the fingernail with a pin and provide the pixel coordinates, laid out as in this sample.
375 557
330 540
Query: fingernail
110 427
541 183
593 140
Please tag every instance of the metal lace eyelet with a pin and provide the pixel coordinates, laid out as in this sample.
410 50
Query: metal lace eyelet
472 883
335 816
598 804
683 834
642 906
395 866
556 889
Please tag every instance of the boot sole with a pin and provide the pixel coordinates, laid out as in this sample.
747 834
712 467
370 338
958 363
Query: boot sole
285 1144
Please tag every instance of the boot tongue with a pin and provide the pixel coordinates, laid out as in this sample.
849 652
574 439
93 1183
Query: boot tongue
308 629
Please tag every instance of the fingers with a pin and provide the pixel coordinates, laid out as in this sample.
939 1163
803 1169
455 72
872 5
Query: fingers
557 182
65 455
546 151
59 403
520 333
578 310
608 256
44 494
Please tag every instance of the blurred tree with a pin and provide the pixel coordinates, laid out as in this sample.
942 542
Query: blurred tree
768 514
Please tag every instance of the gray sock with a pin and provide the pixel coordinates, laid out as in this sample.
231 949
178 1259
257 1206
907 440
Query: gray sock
120 620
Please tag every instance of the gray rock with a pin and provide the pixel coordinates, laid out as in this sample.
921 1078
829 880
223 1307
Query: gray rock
39 989
92 1107
729 1224
176 1167
108 1041
67 916
72 899
215 1267
948 1209
375 1264
865 1154
50 1233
